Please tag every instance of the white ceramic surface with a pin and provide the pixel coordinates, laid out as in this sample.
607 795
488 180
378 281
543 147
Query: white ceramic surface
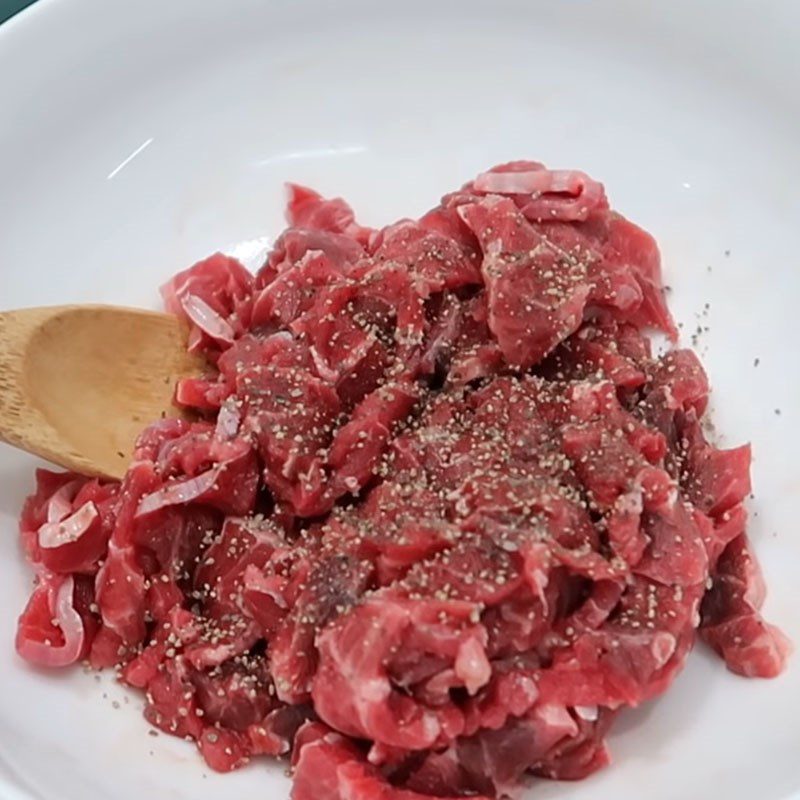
136 137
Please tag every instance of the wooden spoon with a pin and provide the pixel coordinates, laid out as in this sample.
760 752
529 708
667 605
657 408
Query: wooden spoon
78 383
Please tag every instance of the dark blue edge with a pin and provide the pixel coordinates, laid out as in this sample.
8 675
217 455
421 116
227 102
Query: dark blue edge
10 7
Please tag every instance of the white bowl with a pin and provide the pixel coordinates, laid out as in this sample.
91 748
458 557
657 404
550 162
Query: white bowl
138 137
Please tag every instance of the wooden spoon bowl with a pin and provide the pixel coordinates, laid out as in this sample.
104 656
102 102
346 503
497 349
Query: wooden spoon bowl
78 383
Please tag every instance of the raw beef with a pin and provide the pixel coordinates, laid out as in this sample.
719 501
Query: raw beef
440 517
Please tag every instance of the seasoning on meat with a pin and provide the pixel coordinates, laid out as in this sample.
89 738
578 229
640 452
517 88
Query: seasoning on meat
441 517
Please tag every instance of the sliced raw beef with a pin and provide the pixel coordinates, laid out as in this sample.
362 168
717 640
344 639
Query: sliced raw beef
439 516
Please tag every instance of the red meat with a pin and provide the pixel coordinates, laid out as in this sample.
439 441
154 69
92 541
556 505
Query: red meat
440 515
536 299
732 622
